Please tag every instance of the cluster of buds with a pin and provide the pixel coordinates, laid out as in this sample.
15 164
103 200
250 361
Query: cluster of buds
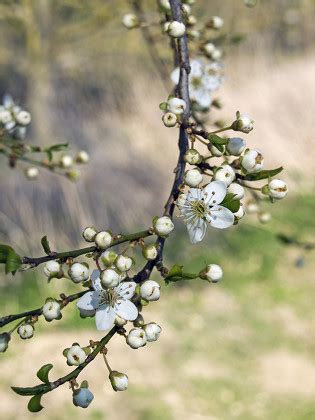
14 119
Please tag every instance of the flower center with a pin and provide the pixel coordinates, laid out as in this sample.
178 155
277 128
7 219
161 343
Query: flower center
109 297
196 82
199 208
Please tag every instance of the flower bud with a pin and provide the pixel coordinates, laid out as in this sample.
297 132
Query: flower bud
75 355
264 217
73 175
103 239
5 116
31 173
51 310
110 278
4 341
240 213
216 54
252 207
193 34
136 338
163 226
123 263
152 331
181 199
215 22
213 273
226 174
277 189
23 118
120 322
89 234
149 252
165 5
82 397
118 380
176 106
78 272
236 146
130 21
52 269
252 161
176 29
215 151
139 321
150 290
191 20
66 161
108 257
26 331
82 157
243 123
237 190
193 177
209 48
192 156
169 119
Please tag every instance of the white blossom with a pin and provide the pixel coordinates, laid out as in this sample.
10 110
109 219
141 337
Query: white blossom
78 272
123 263
214 273
89 233
192 156
66 161
235 146
52 269
103 239
150 290
82 157
243 123
237 190
169 119
82 397
163 226
225 174
150 252
277 189
110 278
176 29
23 118
32 173
26 331
176 106
264 217
108 257
130 21
252 161
152 331
51 310
240 213
216 22
202 208
107 303
136 338
193 177
75 355
118 380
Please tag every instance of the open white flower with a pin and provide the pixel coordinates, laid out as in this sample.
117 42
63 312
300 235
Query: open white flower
202 208
107 303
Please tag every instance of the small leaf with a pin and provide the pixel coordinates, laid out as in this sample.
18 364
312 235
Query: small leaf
263 174
49 155
23 391
13 262
176 274
34 404
43 372
163 106
231 203
45 245
217 139
57 147
176 270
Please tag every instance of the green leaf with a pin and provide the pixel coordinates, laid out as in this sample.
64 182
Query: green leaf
57 147
34 404
263 174
163 106
43 372
49 155
217 139
45 245
231 203
23 391
10 258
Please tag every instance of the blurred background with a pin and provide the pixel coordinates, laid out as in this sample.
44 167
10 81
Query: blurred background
241 349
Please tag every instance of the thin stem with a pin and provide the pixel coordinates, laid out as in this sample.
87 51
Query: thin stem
106 363
35 261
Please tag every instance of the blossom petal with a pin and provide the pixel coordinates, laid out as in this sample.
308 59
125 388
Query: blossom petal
197 230
126 289
96 281
220 217
126 310
104 317
202 96
194 194
215 192
89 301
